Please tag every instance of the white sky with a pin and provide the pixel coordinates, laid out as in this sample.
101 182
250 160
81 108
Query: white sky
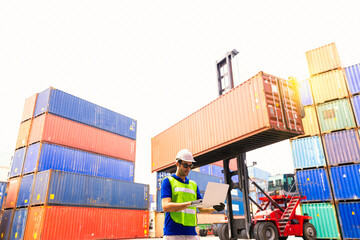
154 61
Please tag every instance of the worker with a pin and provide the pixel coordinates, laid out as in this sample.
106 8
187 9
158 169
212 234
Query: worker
177 194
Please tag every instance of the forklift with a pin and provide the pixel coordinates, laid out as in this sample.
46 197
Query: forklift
275 217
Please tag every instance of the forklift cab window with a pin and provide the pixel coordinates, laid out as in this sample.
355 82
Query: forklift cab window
290 181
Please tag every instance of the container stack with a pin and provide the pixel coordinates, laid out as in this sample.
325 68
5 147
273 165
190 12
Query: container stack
72 175
326 158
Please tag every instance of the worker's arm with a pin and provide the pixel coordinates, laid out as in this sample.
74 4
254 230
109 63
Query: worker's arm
169 206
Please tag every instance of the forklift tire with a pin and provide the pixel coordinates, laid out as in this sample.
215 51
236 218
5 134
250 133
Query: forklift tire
223 232
309 231
215 231
267 231
256 229
203 232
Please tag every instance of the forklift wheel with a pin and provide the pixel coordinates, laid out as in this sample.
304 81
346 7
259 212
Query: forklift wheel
267 231
223 231
203 232
215 230
309 231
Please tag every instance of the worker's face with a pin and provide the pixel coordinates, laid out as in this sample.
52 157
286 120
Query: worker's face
184 167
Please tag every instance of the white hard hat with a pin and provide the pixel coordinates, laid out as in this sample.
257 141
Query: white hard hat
185 155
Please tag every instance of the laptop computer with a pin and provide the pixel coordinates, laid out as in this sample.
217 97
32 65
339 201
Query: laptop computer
215 194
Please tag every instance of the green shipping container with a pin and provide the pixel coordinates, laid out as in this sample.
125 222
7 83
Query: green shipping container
324 219
335 115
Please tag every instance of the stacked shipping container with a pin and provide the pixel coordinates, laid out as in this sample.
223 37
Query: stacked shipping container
326 158
72 175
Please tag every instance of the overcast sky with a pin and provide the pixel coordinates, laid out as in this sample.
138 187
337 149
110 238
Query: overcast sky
154 61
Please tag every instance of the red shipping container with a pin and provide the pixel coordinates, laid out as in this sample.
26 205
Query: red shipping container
261 111
29 107
53 129
54 223
12 193
232 164
23 135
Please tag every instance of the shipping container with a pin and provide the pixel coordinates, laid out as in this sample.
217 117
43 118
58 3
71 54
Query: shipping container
329 86
346 181
19 223
29 107
305 93
44 156
5 225
68 106
323 59
18 161
63 188
205 169
238 208
324 219
232 164
335 115
73 223
3 186
53 129
342 147
353 78
158 201
310 121
349 217
217 171
356 106
23 135
308 152
257 173
12 193
258 112
25 189
314 184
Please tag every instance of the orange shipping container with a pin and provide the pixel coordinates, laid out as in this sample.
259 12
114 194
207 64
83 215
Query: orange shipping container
12 193
251 115
310 121
53 129
23 135
329 86
323 59
54 223
29 107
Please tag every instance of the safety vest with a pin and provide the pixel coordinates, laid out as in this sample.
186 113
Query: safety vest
182 192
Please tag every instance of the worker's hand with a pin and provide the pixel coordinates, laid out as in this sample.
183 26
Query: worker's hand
196 202
219 207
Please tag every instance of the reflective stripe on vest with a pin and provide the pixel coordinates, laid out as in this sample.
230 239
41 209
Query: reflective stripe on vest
182 192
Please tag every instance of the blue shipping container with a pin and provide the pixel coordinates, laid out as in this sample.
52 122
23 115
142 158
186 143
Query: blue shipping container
2 192
18 162
308 152
63 188
342 147
25 189
42 157
353 78
158 201
305 93
258 173
349 217
346 181
18 225
6 222
217 171
66 105
238 208
314 184
205 169
356 106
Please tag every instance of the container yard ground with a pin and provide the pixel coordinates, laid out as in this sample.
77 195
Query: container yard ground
216 238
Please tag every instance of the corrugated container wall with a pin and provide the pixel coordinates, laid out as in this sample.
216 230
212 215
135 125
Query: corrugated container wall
307 152
18 225
342 147
23 135
349 217
232 164
12 193
324 219
5 226
346 181
18 161
257 173
217 171
356 106
323 59
205 169
305 93
66 105
61 131
42 157
353 78
310 122
329 86
202 179
25 189
335 115
29 107
57 222
3 186
247 117
64 188
314 184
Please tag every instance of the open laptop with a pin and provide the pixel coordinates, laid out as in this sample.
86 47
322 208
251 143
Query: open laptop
215 194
